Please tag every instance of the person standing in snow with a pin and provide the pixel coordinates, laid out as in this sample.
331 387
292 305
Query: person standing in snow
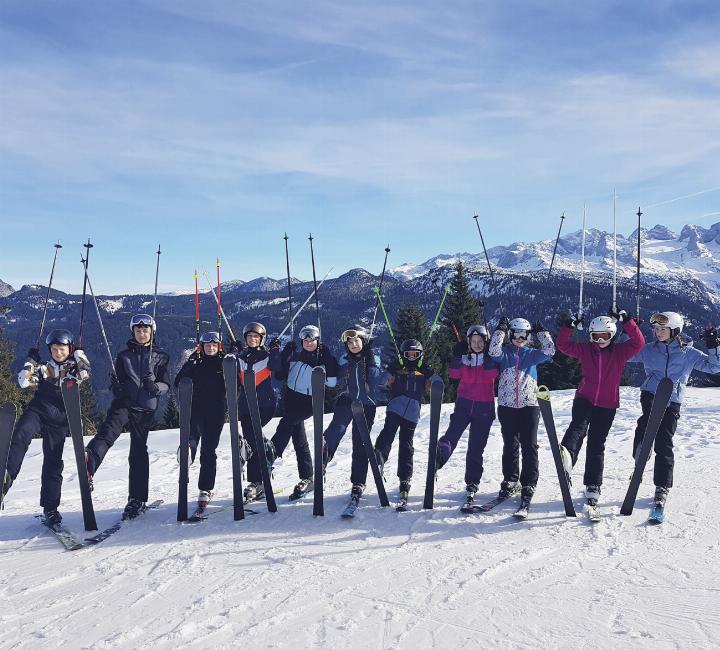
669 355
598 395
518 410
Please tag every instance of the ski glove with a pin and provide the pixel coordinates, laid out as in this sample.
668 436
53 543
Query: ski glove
81 359
34 354
148 383
503 324
711 338
565 319
118 390
236 347
274 345
461 347
537 328
195 357
620 315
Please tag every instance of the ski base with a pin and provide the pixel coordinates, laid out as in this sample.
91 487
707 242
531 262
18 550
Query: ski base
199 516
487 507
102 536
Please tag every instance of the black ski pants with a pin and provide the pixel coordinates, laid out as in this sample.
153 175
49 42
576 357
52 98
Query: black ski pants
254 471
52 423
206 427
664 456
519 428
342 417
138 423
593 422
385 439
298 408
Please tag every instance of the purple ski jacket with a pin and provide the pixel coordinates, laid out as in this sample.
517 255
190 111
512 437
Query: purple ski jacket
601 369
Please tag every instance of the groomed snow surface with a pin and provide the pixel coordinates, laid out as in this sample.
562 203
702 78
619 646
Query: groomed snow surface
420 579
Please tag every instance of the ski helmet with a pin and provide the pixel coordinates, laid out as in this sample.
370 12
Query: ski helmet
255 328
519 326
670 319
144 320
604 327
476 329
354 333
309 333
412 351
60 337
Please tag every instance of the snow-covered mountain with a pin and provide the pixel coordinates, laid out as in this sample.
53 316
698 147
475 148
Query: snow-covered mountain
5 289
666 257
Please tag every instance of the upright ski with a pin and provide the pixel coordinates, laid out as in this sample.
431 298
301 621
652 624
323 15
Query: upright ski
437 389
252 402
657 411
318 404
359 417
8 414
103 535
185 391
231 376
70 390
543 395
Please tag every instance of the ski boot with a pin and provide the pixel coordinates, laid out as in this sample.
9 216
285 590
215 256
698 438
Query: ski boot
91 462
305 486
253 492
657 516
592 494
507 489
355 495
204 497
567 463
133 508
525 498
470 491
661 494
403 494
51 517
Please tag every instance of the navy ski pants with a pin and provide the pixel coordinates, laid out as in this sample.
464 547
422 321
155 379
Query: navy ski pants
342 417
519 428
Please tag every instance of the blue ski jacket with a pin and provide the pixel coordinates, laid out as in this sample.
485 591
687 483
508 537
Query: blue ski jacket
358 376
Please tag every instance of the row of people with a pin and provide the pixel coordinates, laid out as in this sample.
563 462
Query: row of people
479 363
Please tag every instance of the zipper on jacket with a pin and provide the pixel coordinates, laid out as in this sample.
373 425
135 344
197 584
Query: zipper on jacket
517 379
599 378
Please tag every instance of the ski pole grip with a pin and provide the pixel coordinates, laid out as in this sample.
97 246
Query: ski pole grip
543 392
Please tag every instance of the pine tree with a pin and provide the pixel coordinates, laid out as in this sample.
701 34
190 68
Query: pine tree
91 419
9 389
171 419
560 373
411 324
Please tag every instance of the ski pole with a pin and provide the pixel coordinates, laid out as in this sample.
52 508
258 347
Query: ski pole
439 309
582 270
287 265
492 275
307 300
222 311
58 246
390 329
614 287
552 260
154 328
377 301
197 314
317 301
219 303
88 246
637 281
102 327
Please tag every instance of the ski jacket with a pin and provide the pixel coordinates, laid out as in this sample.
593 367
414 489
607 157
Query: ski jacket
256 359
518 369
296 367
208 382
674 360
477 374
358 376
47 377
601 368
407 389
134 363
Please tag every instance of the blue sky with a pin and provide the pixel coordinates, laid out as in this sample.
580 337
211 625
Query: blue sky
212 128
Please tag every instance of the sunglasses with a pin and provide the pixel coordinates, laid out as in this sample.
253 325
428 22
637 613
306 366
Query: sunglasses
600 336
210 337
347 335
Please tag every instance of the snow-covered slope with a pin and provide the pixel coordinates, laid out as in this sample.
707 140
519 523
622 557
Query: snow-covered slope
665 256
421 579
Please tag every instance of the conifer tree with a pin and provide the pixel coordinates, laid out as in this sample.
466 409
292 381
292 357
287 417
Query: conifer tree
171 419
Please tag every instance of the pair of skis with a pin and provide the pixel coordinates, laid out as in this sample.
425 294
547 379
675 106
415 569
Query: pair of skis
230 374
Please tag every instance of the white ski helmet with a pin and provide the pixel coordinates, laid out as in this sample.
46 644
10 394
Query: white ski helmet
309 332
602 324
520 325
143 320
670 319
476 329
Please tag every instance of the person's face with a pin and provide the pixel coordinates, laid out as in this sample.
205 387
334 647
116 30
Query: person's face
355 345
519 342
603 343
310 344
662 334
477 343
211 348
142 334
253 339
59 352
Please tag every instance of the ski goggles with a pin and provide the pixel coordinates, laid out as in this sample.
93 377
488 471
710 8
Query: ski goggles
348 335
412 355
210 337
600 336
142 320
660 320
309 334
519 334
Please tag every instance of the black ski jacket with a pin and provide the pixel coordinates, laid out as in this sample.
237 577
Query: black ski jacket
132 365
208 383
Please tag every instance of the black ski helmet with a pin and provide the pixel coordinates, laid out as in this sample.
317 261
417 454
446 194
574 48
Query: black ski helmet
61 337
415 350
255 328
